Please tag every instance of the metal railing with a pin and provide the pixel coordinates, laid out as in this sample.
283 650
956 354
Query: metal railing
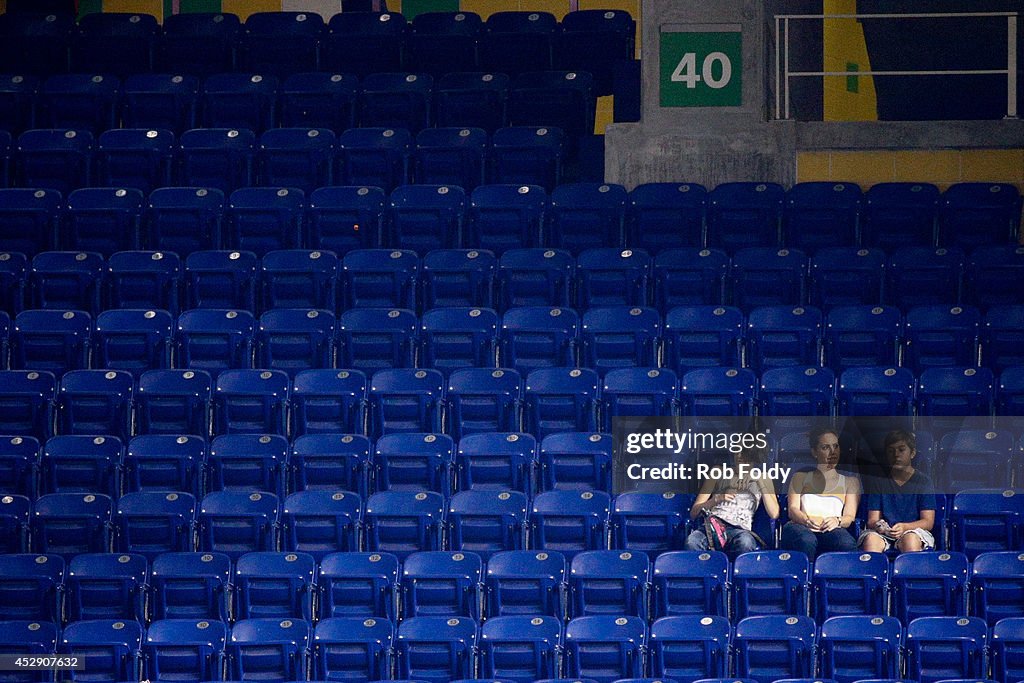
783 73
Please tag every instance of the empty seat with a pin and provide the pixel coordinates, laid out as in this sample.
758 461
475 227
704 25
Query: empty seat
849 584
485 522
104 220
403 522
274 585
358 585
95 402
218 158
610 277
589 215
68 524
538 337
976 458
214 340
79 101
495 461
17 105
325 401
762 276
380 278
113 42
153 522
296 157
184 219
14 522
702 336
940 647
846 276
251 402
362 43
197 43
184 648
396 100
436 649
137 158
520 648
13 267
576 461
525 582
742 215
221 279
294 340
236 522
413 462
67 280
110 648
987 520
595 40
27 402
344 218
378 157
955 391
560 400
55 341
372 339
450 156
783 336
821 215
36 42
899 214
352 648
190 586
262 219
638 392
857 647
605 648
317 523
173 402
690 583
717 392
29 586
689 277
299 279
769 582
528 156
81 464
619 337
19 456
919 276
248 462
269 649
993 276
650 523
280 43
535 277
406 400
472 99
29 220
501 218
327 461
862 336
458 277
666 216
770 648
929 584
163 462
997 580
27 639
1006 650
609 582
454 338
58 160
144 280
1002 337
443 42
239 100
569 521
559 99
106 586
689 647
441 583
424 216
319 100
160 101
796 391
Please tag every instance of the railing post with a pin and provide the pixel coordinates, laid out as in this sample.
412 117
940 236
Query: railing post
1011 66
778 69
785 30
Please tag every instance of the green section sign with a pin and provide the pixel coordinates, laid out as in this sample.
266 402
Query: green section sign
701 69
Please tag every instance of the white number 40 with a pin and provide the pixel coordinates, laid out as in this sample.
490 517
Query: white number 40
686 70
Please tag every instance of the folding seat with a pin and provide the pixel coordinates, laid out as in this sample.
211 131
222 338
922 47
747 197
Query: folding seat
237 522
68 524
941 647
22 638
527 155
471 100
796 391
610 277
862 336
850 584
406 400
595 40
14 521
221 159
163 462
997 585
929 584
609 582
456 338
987 520
717 392
561 400
821 215
362 43
152 522
396 100
702 336
450 156
954 392
248 462
221 279
213 340
514 42
35 42
119 43
576 461
762 276
638 392
280 43
495 461
525 583
95 402
520 648
184 649
262 219
269 649
5 158
436 649
137 158
403 522
371 339
591 215
143 280
173 402
190 586
536 337
378 157
854 648
846 276
535 277
413 462
28 220
358 585
690 277
619 337
317 523
605 648
239 100
665 216
422 216
81 464
17 101
993 276
183 220
325 401
352 649
60 280
296 157
1002 338
344 218
689 647
104 220
294 340
319 100
58 160
444 42
380 278
19 459
13 268
55 341
109 649
899 214
197 43
251 402
160 101
485 522
106 586
274 585
458 277
1010 392
770 582
31 587
783 336
569 521
329 462
79 101
976 458
743 215
769 648
441 584
919 276
560 99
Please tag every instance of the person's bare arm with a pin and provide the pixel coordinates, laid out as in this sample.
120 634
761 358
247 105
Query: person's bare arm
851 500
926 522
769 499
705 499
796 513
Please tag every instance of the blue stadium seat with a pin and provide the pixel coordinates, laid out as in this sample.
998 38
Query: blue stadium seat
221 279
362 43
899 214
262 219
191 586
976 458
929 584
280 43
81 464
561 400
153 522
109 649
358 585
377 157
605 648
436 649
577 461
239 100
372 339
651 523
610 277
34 42
237 522
783 336
595 40
319 100
19 458
29 220
520 648
299 279
269 649
528 155
67 280
352 649
137 158
850 584
274 585
993 276
413 462
325 401
638 392
456 338
609 582
68 524
424 216
535 277
1005 647
396 100
14 521
95 402
143 280
742 215
919 276
443 42
763 276
495 460
857 647
862 336
218 158
164 462
941 647
1002 339
987 520
1010 392
502 218
796 392
701 336
689 647
485 522
58 160
105 220
846 276
441 584
160 100
113 42
28 639
248 462
821 215
717 392
201 43
406 400
525 583
955 392
251 402
317 523
13 266
458 277
5 334
213 340
404 522
689 277
106 586
79 101
344 218
55 341
31 587
5 157
450 156
296 157
769 648
569 522
997 585
184 649
18 95
535 337
665 216
770 582
380 278
619 337
173 402
590 215
183 219
472 99
294 340
690 583
559 99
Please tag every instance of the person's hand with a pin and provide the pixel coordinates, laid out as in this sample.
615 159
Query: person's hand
811 524
829 524
897 530
722 498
